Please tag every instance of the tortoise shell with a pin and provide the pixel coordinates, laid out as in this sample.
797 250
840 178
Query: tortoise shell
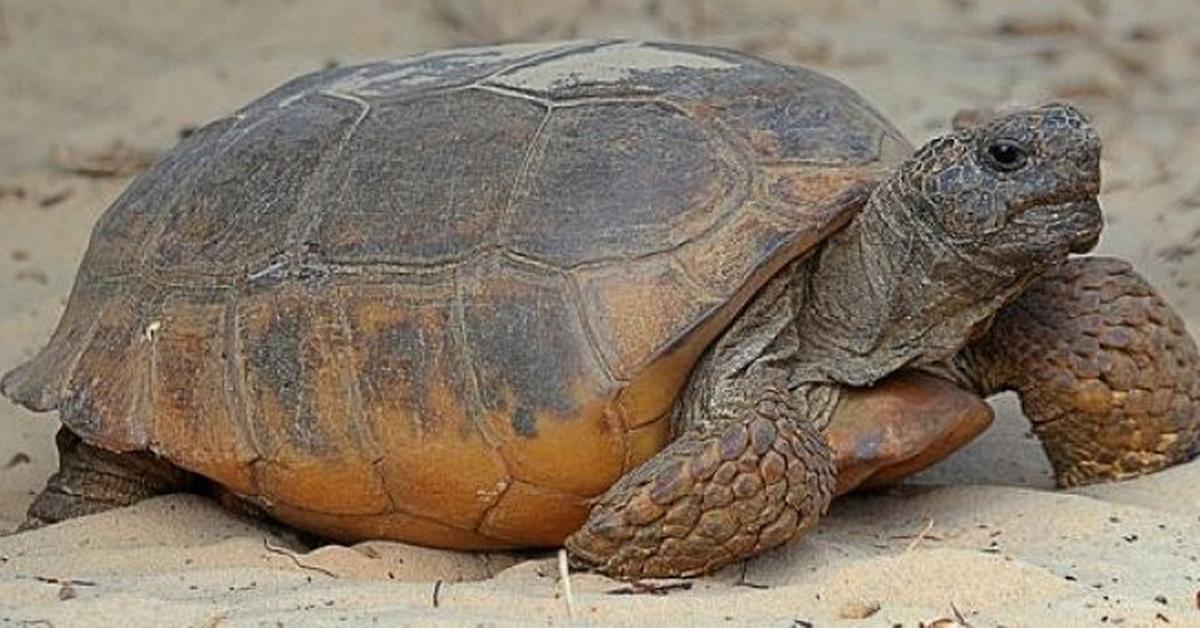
450 299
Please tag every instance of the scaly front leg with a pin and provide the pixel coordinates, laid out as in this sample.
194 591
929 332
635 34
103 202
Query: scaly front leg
749 474
1105 369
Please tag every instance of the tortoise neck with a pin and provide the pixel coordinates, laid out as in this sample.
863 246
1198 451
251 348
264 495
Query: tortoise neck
890 291
756 358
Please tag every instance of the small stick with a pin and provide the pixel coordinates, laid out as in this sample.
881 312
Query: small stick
437 594
958 616
564 576
283 551
649 588
920 536
742 582
65 581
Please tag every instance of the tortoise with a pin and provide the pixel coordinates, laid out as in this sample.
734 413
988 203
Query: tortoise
657 302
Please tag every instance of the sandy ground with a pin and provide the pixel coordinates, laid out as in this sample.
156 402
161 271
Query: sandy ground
981 539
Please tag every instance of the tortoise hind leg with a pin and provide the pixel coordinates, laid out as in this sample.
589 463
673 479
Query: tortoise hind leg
91 480
1105 369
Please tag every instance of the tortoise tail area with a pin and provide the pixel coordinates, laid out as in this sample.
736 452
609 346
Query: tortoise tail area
95 369
38 384
27 384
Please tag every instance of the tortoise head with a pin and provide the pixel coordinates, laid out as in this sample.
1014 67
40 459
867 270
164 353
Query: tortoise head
960 229
1018 189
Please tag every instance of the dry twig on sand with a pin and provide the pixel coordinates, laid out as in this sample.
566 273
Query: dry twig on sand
564 576
922 535
283 551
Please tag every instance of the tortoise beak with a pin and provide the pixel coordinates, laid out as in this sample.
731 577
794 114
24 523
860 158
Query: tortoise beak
1090 222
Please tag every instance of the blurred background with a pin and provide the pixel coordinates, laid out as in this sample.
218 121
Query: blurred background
90 92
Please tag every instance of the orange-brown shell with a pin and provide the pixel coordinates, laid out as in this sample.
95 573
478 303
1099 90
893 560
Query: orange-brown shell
450 299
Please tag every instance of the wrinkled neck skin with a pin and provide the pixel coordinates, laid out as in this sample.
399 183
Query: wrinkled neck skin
889 291
892 290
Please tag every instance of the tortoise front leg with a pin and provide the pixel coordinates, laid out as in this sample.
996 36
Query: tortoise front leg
1105 369
748 475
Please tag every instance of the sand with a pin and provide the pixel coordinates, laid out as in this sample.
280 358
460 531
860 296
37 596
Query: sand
982 538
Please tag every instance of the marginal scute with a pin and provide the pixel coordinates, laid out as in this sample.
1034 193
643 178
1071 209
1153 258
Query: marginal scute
304 409
631 318
726 259
514 317
417 397
528 515
798 190
40 384
195 420
107 398
392 525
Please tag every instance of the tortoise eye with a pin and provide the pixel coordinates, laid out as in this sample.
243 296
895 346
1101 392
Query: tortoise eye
1007 155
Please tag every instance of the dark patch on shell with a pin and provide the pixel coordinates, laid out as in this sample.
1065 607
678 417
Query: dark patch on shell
283 361
524 423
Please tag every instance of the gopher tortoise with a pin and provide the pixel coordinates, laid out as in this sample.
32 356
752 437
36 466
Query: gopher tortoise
656 302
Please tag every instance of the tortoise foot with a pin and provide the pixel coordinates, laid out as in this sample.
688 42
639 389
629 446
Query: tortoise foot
32 523
1105 368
